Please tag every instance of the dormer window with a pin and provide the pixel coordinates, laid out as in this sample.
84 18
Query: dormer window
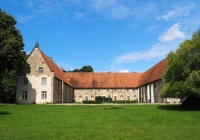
40 70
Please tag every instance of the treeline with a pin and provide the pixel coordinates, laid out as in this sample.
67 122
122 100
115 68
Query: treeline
83 69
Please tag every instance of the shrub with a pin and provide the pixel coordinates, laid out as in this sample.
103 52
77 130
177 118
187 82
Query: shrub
103 99
92 102
99 98
123 101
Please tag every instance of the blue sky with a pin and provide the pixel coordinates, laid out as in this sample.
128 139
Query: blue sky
109 35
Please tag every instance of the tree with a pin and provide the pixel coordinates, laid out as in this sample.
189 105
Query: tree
86 69
12 55
83 69
182 77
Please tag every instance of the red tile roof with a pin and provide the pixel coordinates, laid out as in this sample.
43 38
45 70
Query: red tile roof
103 80
109 79
154 73
54 68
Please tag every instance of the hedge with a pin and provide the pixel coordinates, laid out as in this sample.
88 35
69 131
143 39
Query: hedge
123 101
92 102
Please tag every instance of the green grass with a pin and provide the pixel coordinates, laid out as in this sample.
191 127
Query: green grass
98 122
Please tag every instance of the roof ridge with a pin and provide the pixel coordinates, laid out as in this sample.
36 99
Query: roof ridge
58 72
154 73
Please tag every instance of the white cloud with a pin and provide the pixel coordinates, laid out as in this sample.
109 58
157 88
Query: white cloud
178 11
172 33
169 15
100 4
123 71
110 8
157 51
168 41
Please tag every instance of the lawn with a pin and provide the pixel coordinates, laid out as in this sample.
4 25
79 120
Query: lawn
98 122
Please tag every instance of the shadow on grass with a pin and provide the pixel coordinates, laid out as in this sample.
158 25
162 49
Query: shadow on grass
175 108
4 113
171 107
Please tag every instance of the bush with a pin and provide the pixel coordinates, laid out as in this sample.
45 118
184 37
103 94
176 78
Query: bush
191 103
92 102
103 99
99 98
123 101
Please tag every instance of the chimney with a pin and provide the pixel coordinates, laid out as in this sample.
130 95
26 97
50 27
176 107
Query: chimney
50 58
36 45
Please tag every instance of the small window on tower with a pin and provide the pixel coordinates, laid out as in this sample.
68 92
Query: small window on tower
24 81
44 81
40 70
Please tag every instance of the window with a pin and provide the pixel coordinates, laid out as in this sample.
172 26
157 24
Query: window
99 90
127 90
82 90
24 81
107 90
86 98
114 90
115 98
133 90
44 95
44 81
40 70
28 70
24 95
128 98
91 90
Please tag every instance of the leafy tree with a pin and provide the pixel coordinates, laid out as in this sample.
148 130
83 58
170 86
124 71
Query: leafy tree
83 69
182 77
12 56
86 69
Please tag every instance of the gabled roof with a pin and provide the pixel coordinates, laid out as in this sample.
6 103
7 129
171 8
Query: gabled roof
103 80
54 68
154 73
106 79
